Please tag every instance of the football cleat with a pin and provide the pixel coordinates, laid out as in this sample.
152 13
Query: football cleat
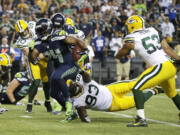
70 118
139 122
29 108
69 108
56 108
47 104
3 110
158 90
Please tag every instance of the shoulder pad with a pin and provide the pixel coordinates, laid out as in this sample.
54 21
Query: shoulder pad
21 76
18 75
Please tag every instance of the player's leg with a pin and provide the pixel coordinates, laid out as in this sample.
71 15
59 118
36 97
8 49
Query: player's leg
120 103
149 78
122 87
34 72
170 90
60 76
46 85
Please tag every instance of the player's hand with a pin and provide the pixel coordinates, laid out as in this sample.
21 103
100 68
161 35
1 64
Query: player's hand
83 57
87 66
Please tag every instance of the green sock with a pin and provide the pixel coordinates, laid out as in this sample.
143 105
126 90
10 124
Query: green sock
46 89
139 99
176 101
33 90
147 95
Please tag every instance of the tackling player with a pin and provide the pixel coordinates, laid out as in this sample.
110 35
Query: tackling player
26 38
146 42
87 93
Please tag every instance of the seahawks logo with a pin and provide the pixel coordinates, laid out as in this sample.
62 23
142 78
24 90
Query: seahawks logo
131 21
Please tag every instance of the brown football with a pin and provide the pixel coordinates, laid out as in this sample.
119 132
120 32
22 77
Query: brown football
75 54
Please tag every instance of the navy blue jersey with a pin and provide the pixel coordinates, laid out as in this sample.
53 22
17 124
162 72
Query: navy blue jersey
56 49
21 91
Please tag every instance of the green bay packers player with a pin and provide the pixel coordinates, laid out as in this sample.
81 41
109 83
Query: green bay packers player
146 42
27 34
5 64
87 93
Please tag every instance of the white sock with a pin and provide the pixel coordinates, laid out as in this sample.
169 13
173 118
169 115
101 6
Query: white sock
153 92
140 113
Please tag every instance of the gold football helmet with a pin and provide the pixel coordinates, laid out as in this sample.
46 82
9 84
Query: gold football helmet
69 21
135 23
21 26
5 60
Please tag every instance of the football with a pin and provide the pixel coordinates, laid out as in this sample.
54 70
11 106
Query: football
75 53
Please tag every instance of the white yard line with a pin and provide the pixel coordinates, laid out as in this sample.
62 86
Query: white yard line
156 121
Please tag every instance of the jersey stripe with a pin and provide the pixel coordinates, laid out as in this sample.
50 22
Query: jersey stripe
148 76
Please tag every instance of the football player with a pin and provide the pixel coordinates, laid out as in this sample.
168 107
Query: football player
16 90
162 72
57 50
88 93
5 64
26 32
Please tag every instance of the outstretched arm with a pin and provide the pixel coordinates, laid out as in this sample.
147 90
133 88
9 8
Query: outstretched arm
73 40
169 50
127 47
83 114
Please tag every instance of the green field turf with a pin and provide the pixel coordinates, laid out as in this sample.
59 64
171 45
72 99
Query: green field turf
39 122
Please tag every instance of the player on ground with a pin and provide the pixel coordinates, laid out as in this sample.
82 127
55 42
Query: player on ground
5 64
87 93
26 38
17 89
146 42
57 50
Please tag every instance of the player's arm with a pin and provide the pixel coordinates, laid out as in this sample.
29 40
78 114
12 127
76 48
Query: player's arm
127 47
83 114
169 50
73 40
10 90
86 76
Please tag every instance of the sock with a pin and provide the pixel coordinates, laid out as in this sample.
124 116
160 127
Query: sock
33 90
139 99
176 101
148 95
46 89
140 113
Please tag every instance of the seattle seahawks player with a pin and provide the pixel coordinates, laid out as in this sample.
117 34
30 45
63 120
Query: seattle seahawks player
57 50
162 72
26 32
87 93
17 89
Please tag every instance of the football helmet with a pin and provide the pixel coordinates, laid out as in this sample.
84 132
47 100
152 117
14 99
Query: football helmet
135 23
58 20
21 28
5 60
69 21
43 28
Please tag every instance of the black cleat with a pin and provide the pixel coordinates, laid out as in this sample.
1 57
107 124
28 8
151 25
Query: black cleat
29 108
158 90
47 104
139 122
